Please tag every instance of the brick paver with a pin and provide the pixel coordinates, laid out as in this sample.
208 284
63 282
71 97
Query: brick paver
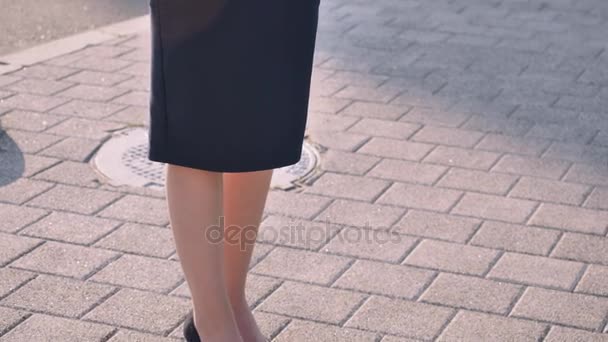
464 145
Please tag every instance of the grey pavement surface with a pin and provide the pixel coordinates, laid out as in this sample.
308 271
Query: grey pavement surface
462 196
25 23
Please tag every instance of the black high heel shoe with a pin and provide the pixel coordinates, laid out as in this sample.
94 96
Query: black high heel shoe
190 333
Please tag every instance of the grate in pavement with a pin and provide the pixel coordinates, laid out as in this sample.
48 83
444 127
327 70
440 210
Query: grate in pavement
122 160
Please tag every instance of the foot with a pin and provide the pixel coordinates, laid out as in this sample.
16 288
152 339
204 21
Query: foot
192 333
247 325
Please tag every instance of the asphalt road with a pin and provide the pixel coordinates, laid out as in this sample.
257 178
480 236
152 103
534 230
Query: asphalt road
24 23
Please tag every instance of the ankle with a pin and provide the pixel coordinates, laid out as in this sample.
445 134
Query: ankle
238 302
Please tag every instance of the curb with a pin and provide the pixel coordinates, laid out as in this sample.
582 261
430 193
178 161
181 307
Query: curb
62 46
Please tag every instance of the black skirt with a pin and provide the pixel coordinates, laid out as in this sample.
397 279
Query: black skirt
230 82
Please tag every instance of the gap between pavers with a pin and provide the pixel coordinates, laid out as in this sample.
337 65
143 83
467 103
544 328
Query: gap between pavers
36 54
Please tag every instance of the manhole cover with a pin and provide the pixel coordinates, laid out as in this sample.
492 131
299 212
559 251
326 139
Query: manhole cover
123 161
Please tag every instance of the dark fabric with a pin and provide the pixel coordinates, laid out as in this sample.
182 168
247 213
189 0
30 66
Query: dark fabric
230 82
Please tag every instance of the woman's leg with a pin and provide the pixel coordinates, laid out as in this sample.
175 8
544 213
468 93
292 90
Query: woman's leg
195 204
245 196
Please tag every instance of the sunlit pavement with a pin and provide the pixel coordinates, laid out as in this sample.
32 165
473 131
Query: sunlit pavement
462 196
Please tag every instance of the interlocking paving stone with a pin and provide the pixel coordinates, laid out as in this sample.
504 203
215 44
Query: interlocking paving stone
529 166
473 180
513 145
571 309
38 86
11 279
587 174
330 122
476 326
24 165
132 115
42 71
448 136
563 334
436 225
10 317
124 335
70 172
455 156
97 78
359 214
26 142
598 199
29 121
308 301
58 296
300 330
14 246
471 293
571 218
136 83
451 257
494 207
327 104
295 204
70 148
400 317
582 247
141 272
139 239
578 153
338 140
558 131
385 279
353 163
420 197
138 209
347 186
297 264
595 281
407 171
259 287
386 128
393 148
137 69
537 270
91 93
13 217
435 117
133 98
516 238
139 310
37 103
69 227
499 127
74 199
42 327
370 244
547 190
64 259
85 128
87 109
296 232
100 63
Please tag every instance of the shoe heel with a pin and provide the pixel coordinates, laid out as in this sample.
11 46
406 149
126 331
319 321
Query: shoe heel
189 331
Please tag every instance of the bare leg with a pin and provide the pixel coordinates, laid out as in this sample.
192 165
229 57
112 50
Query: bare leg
195 203
245 196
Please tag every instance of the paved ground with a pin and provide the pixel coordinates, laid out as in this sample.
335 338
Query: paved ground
25 23
471 135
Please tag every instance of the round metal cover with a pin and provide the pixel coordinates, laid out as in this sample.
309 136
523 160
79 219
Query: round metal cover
122 160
